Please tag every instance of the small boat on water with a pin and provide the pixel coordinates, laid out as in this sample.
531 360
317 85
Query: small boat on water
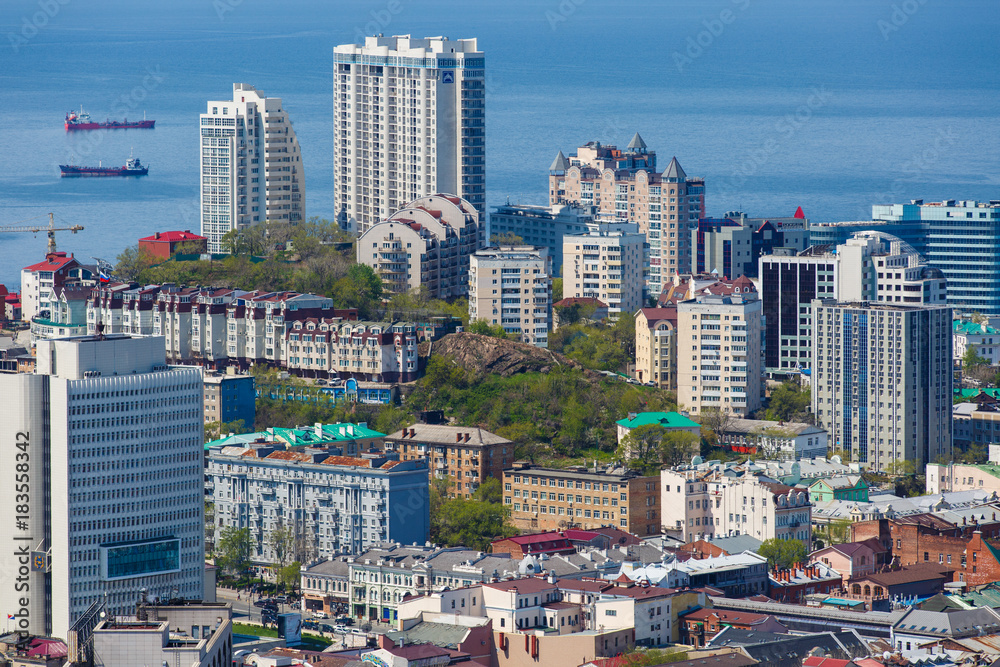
133 167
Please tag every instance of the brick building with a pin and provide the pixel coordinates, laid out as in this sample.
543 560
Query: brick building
599 498
701 625
163 245
538 544
465 455
928 538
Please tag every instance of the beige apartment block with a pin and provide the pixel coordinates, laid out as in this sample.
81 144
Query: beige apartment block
605 265
424 245
656 347
554 499
719 362
511 286
625 185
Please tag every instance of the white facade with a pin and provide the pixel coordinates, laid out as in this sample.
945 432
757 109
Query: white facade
332 504
699 504
606 265
251 165
882 381
512 287
425 245
115 481
982 336
719 364
409 120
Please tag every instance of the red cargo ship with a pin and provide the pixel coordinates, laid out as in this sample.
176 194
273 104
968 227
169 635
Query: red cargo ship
81 121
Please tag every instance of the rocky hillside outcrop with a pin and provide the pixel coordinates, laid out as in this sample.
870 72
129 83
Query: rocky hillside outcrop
485 354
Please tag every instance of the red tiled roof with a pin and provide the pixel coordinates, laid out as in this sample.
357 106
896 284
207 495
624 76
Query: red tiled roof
53 262
413 652
285 455
820 661
581 585
346 461
172 237
390 464
535 538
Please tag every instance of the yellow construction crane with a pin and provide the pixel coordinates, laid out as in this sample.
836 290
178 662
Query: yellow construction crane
50 231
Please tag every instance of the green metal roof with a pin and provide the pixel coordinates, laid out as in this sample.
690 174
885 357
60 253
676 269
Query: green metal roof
992 392
966 327
664 419
301 437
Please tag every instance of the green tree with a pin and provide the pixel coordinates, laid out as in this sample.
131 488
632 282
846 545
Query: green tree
640 448
839 531
972 360
484 328
783 553
678 447
281 539
234 550
975 453
789 402
290 575
557 289
251 240
215 430
132 264
473 522
506 239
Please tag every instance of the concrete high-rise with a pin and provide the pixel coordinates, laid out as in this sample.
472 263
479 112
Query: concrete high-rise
723 333
870 266
511 286
882 380
409 120
606 265
251 165
105 489
625 185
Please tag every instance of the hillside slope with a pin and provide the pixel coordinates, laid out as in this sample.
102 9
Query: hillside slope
487 355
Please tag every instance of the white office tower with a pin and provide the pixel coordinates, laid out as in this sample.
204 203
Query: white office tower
251 165
104 491
408 121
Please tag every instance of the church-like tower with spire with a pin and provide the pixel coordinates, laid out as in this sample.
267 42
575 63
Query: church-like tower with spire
625 186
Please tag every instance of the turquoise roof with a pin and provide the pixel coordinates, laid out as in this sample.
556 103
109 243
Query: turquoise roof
966 327
303 436
992 392
664 419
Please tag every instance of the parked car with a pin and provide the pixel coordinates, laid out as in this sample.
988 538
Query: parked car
310 625
344 620
339 630
358 631
320 614
281 599
325 627
264 602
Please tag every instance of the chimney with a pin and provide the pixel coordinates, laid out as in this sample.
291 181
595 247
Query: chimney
467 436
458 437
156 235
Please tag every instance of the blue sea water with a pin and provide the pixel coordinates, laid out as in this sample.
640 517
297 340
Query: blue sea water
833 105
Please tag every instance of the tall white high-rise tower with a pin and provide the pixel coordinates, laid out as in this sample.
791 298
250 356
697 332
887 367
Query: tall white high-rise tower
251 165
408 121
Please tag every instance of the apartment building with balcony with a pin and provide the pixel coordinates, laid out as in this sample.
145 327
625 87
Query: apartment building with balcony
464 455
882 380
656 347
409 119
511 286
606 265
555 499
702 501
625 185
426 244
332 504
719 343
251 165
